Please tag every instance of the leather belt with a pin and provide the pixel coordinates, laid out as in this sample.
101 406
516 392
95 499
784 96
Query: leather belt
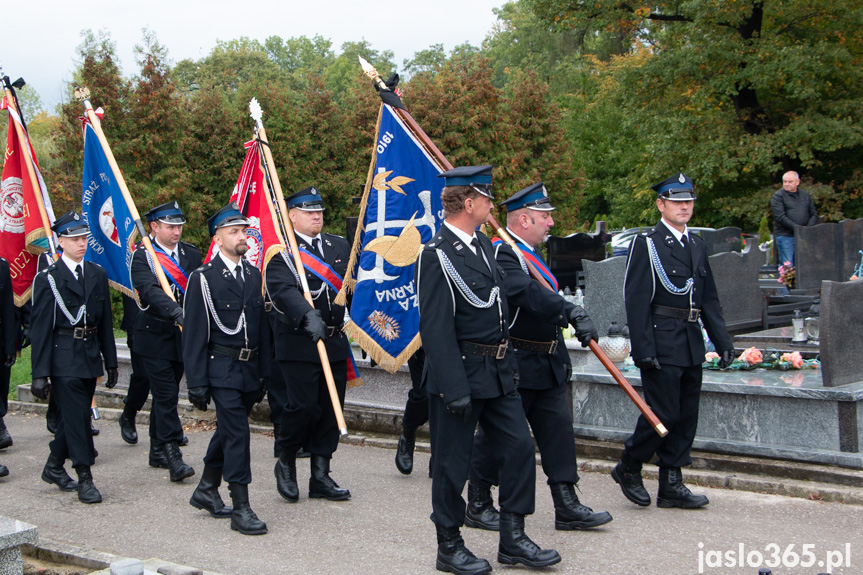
332 330
495 351
78 332
690 314
241 353
548 347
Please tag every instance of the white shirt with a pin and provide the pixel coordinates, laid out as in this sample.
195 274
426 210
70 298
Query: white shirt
170 252
465 238
71 264
677 234
308 240
230 265
518 239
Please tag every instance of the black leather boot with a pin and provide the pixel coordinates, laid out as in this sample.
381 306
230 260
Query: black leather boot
4 471
516 547
321 485
286 477
94 431
628 476
206 495
157 455
243 519
302 453
570 514
184 442
454 557
87 492
53 472
177 468
405 451
480 512
673 493
5 438
128 431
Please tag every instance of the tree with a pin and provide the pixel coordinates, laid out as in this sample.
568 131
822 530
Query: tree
734 93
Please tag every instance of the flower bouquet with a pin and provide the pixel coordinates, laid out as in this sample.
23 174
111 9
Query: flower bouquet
787 275
753 358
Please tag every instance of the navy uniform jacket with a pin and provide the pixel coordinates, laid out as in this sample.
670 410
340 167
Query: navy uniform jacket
155 333
446 319
671 340
292 343
208 368
63 355
539 314
8 317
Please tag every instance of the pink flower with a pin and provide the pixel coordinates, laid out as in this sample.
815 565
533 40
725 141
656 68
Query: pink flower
751 356
710 356
796 360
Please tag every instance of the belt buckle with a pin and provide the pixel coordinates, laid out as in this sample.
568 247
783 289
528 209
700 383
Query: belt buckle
501 351
78 333
552 347
245 354
268 306
693 315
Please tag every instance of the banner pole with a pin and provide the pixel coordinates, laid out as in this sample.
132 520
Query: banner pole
256 114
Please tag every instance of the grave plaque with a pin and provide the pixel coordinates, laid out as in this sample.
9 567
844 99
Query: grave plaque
736 277
839 332
603 292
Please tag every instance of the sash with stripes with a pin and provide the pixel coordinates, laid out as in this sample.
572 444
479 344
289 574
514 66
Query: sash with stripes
172 269
321 269
540 266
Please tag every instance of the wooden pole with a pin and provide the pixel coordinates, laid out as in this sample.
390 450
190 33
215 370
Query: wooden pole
24 143
433 150
83 94
301 271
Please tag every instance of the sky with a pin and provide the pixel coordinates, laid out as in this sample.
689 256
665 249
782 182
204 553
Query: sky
39 44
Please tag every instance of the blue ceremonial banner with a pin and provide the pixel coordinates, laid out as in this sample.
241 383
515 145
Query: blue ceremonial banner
112 230
401 210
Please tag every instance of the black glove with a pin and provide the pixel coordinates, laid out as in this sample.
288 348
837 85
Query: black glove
726 358
313 325
262 393
461 407
111 380
177 315
25 337
389 96
648 364
199 397
10 360
568 376
40 387
584 328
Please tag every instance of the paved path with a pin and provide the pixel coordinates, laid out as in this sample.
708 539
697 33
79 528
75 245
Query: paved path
385 527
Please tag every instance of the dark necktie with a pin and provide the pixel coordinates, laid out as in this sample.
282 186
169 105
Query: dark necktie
174 256
238 272
79 271
316 244
479 253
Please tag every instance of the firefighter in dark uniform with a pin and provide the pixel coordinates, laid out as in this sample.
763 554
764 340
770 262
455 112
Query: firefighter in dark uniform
226 351
544 368
308 418
668 288
139 385
470 369
9 328
415 415
158 336
71 320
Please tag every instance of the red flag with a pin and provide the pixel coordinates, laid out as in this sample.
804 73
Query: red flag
20 220
253 198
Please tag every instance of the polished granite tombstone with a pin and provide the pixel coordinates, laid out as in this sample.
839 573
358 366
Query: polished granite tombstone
736 278
840 323
827 252
777 414
603 292
14 534
728 239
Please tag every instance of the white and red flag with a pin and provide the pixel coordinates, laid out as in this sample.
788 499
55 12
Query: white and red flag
22 230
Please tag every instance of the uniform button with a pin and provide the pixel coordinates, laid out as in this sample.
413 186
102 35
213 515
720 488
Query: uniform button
462 358
212 357
441 396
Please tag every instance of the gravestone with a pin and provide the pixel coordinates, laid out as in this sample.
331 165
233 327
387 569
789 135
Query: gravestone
729 239
839 327
14 534
827 252
736 277
565 254
603 292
